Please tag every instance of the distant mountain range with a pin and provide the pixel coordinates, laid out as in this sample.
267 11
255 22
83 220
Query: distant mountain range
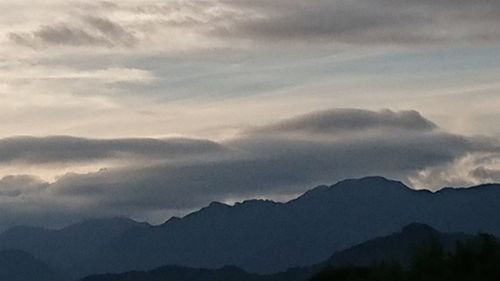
262 236
17 265
68 246
397 247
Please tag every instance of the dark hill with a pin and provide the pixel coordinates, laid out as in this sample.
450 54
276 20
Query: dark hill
176 273
397 247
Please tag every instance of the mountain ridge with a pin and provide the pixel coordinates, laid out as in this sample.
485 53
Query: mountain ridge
264 236
316 223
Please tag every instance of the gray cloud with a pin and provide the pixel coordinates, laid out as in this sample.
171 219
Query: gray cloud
345 120
63 149
264 168
486 174
369 21
14 186
357 22
262 162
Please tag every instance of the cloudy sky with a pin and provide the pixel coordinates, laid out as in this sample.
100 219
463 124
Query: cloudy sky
150 109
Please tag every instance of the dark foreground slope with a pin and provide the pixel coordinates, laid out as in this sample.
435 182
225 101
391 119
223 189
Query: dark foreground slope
475 259
176 273
398 247
395 248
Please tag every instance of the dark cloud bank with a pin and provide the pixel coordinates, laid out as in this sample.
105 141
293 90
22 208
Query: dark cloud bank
279 159
62 149
355 22
397 22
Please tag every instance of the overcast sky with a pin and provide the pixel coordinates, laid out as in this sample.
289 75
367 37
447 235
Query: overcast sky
154 108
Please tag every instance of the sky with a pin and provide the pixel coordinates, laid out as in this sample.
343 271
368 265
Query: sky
149 109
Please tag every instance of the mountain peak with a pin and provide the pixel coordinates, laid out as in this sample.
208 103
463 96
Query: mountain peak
101 223
418 229
371 183
356 185
255 202
213 208
216 204
371 180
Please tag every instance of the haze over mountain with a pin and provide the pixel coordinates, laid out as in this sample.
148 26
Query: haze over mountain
265 236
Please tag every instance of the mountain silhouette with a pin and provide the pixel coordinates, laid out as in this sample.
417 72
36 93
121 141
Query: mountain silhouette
398 248
264 236
17 265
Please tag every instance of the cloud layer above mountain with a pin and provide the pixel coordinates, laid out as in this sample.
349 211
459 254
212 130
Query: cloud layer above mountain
152 179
